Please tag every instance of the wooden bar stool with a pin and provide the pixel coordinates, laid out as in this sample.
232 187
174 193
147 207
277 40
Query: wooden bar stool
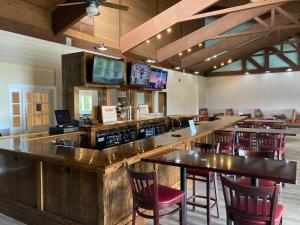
147 194
204 176
251 205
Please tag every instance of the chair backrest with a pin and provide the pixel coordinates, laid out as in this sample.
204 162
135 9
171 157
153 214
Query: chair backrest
144 187
248 205
269 142
203 112
206 148
258 154
257 114
229 112
273 125
224 137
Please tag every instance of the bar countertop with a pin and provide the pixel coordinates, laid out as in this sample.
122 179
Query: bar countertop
92 159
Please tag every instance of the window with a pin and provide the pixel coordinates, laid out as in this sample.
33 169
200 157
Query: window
16 109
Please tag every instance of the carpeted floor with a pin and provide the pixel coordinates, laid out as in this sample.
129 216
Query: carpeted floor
290 198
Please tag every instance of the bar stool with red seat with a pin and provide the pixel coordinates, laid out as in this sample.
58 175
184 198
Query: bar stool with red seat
227 142
204 176
147 194
247 180
272 143
251 205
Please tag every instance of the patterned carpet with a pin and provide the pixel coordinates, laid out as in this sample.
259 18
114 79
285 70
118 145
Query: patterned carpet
290 198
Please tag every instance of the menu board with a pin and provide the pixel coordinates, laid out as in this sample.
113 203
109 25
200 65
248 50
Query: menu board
109 114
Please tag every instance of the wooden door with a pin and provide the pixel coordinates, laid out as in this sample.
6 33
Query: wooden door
162 102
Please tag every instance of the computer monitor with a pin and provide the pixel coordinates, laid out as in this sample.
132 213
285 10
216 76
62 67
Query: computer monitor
63 117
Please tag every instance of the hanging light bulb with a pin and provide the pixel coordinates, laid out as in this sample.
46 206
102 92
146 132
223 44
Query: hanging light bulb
92 9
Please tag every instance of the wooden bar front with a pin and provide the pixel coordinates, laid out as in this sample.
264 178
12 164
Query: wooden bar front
41 183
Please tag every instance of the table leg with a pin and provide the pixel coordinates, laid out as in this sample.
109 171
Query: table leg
183 188
254 182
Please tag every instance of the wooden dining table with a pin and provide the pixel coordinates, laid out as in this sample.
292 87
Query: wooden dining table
285 132
258 168
264 121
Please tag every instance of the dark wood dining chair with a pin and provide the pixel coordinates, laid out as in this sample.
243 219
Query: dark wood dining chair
275 125
203 114
229 112
244 139
258 114
272 143
251 205
147 194
204 176
247 180
227 141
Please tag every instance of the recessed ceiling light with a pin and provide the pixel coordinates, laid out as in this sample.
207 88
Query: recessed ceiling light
196 72
189 50
200 45
215 56
215 67
148 41
289 70
169 30
247 73
222 64
150 60
92 9
177 68
229 61
180 54
158 36
208 59
102 47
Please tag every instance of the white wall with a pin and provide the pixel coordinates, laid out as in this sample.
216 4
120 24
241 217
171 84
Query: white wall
270 92
185 92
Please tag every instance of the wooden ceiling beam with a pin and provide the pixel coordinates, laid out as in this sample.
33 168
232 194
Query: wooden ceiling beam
66 16
236 9
283 57
287 15
162 21
213 29
240 52
228 43
261 22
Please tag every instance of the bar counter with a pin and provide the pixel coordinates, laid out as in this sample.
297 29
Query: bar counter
41 183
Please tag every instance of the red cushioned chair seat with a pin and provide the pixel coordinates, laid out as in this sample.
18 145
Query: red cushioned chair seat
201 173
278 213
168 196
262 182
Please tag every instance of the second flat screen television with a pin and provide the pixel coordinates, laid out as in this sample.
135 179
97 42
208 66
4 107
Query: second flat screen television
107 70
140 74
158 79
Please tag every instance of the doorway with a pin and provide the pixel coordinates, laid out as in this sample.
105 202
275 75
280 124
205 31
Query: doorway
162 103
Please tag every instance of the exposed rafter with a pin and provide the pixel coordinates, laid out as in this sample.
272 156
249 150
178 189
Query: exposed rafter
236 9
162 21
283 57
64 17
217 27
230 43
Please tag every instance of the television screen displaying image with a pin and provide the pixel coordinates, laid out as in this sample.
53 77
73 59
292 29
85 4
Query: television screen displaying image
107 70
158 79
140 74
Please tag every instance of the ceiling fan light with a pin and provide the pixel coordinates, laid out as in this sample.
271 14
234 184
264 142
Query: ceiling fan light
92 9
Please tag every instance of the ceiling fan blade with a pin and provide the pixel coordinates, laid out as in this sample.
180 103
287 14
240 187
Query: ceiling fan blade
115 6
71 3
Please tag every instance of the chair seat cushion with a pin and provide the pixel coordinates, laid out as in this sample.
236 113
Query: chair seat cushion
251 208
169 196
262 182
201 173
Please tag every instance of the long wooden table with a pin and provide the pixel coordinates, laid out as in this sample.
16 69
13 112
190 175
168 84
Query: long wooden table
285 132
277 170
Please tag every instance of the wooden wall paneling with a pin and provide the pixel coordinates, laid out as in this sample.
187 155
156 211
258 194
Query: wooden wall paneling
71 193
18 180
26 13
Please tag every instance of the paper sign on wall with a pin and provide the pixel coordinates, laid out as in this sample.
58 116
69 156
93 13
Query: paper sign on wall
109 114
144 109
192 127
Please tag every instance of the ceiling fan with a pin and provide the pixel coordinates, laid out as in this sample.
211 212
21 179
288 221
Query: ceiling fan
92 8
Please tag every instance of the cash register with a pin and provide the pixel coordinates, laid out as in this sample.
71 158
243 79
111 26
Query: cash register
64 123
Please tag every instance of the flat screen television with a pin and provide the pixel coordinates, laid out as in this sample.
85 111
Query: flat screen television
107 70
158 79
139 74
